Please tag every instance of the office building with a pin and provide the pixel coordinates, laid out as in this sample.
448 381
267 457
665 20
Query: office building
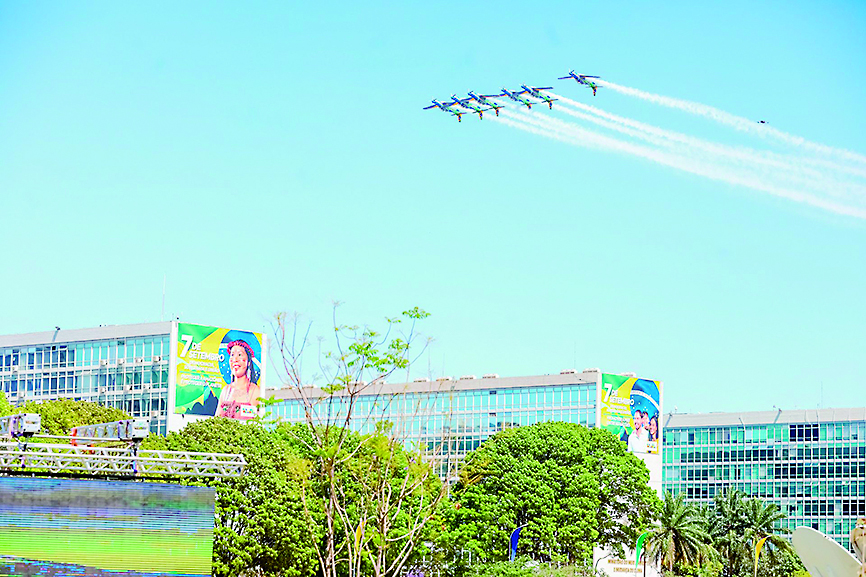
812 463
452 417
169 372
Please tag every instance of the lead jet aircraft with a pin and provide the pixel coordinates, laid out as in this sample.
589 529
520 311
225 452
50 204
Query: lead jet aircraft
582 79
446 107
468 105
536 93
482 99
515 96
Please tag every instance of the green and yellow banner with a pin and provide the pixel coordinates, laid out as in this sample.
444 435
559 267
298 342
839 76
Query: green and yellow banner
218 371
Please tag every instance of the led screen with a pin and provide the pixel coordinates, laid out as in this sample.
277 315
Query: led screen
67 527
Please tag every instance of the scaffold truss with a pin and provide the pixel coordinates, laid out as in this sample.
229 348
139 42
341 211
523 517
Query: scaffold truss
21 457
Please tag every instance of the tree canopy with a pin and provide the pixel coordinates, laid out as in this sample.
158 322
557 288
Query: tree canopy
570 486
260 525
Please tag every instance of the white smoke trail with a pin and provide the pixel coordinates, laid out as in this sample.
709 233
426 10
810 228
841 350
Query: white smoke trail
737 122
571 133
792 169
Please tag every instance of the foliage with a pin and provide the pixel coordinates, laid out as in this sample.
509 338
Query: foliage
375 498
711 568
566 483
6 407
523 567
261 527
61 415
784 564
737 523
680 536
516 568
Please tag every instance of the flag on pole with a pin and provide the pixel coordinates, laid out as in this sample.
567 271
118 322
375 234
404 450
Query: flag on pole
515 535
758 548
639 547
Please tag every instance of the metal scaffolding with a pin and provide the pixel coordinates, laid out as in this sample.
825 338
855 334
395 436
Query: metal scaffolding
20 457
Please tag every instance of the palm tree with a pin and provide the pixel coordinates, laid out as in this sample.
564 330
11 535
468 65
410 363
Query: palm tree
760 520
680 536
727 531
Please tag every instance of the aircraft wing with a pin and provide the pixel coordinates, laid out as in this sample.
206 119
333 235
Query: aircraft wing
545 88
493 95
585 76
429 107
564 77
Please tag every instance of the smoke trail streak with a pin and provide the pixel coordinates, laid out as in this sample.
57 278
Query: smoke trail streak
573 134
792 168
738 122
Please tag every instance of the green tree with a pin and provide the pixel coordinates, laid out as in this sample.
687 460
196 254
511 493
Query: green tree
736 523
261 528
567 484
680 535
761 520
376 499
6 408
62 414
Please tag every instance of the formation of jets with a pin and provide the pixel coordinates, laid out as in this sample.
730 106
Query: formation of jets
481 103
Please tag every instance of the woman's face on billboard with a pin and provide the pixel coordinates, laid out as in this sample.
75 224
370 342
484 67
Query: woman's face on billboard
238 361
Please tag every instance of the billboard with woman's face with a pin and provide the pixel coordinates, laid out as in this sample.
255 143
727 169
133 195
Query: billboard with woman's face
218 372
630 408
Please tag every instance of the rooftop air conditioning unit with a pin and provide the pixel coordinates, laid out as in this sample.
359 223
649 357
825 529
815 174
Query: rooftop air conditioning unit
468 377
157 358
103 363
139 359
490 376
592 370
445 379
422 380
568 372
121 361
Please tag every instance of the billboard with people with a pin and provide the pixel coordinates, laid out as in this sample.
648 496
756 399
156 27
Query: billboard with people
218 371
630 408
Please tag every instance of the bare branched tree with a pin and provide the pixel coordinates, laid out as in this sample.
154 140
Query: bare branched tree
374 494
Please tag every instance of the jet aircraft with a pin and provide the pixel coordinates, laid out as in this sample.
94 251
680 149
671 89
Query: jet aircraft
446 107
763 122
469 105
482 99
536 93
582 79
515 96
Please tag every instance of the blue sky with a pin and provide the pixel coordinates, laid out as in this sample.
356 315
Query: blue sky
274 156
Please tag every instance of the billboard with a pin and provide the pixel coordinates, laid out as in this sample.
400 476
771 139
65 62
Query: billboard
65 528
630 408
218 372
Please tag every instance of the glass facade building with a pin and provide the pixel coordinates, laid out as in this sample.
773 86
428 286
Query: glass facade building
122 366
812 463
450 418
